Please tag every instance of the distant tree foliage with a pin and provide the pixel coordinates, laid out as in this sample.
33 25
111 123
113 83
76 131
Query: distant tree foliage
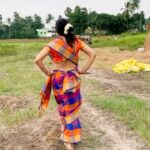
137 21
1 18
49 18
130 18
20 27
78 17
93 21
134 20
37 22
148 20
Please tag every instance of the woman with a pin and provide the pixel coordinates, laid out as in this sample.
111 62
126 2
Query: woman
64 79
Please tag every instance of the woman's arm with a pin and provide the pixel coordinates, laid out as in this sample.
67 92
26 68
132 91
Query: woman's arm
91 53
39 60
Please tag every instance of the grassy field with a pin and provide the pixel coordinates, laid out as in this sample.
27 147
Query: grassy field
124 41
16 58
21 78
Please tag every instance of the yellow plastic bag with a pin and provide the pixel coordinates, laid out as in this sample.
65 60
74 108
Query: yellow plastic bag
130 65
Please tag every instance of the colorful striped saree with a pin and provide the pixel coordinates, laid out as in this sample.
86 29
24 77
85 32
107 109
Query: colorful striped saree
66 89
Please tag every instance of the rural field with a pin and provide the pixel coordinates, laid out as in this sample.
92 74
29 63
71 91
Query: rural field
115 112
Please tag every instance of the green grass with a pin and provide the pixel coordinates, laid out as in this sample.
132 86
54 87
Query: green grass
134 112
124 42
20 77
9 118
7 49
18 73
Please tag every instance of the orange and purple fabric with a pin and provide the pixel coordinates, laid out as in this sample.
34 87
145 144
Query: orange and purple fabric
59 50
66 89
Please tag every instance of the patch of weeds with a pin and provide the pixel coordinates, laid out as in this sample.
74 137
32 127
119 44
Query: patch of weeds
10 118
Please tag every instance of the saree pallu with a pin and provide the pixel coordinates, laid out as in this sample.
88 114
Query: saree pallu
69 101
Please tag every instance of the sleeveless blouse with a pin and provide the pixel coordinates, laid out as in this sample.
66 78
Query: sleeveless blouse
58 58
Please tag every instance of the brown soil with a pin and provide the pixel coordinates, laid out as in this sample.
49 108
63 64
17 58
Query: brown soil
107 57
12 102
135 83
116 136
125 83
101 131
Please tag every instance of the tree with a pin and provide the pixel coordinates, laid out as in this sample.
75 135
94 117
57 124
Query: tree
118 24
148 20
127 11
137 21
37 22
16 15
111 23
1 31
4 31
1 18
28 30
24 27
92 20
68 11
135 4
131 6
104 21
49 18
16 26
78 18
20 27
9 21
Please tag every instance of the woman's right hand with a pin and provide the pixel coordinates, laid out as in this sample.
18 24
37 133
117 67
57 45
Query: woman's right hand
39 60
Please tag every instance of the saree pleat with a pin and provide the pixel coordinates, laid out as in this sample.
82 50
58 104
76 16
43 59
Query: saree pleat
69 103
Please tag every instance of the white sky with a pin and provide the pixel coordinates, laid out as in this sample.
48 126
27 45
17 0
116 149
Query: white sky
56 7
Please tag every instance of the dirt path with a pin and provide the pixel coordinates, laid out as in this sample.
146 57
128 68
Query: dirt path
101 131
38 134
115 135
125 83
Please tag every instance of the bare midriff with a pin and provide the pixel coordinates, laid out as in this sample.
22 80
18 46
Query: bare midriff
65 65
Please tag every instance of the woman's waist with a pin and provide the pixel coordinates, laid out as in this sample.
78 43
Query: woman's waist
64 67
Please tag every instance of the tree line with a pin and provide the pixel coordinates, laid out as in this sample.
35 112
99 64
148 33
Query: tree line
130 18
20 27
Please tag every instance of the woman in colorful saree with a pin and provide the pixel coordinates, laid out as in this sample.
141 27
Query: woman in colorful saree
64 79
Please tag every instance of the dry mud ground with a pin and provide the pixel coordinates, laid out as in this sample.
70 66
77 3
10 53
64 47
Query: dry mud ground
101 130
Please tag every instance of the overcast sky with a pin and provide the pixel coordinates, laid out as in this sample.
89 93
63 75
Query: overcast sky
56 7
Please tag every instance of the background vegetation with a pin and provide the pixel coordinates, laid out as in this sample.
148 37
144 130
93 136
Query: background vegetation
130 18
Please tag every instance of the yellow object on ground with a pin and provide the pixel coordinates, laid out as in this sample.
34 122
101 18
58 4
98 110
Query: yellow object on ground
130 65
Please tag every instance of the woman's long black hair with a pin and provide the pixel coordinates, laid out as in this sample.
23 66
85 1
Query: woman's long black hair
60 27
